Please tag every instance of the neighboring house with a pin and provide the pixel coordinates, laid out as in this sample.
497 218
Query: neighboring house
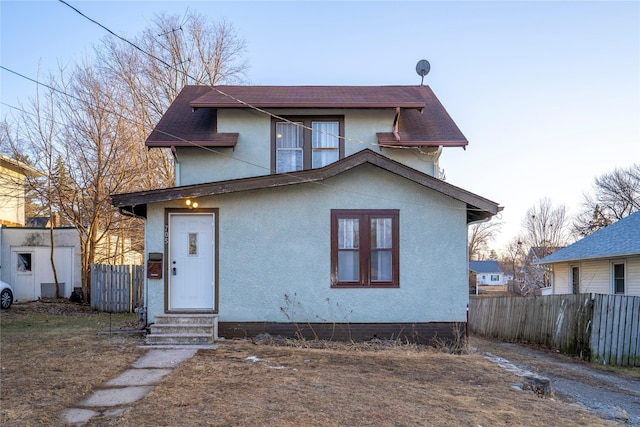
605 262
489 276
25 261
13 175
43 221
536 277
25 252
310 210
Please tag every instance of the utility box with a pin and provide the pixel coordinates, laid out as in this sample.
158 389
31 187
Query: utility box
154 265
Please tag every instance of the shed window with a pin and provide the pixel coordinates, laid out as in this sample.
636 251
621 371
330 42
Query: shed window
24 262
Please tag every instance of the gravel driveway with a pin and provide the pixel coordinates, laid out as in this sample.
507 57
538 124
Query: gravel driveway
613 395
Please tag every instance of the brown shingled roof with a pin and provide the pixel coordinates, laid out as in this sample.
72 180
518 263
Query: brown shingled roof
311 97
191 118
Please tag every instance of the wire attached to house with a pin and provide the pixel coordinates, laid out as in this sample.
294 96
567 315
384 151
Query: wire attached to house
248 105
214 88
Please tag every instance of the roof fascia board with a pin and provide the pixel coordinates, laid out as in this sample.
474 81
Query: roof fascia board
589 258
485 208
410 105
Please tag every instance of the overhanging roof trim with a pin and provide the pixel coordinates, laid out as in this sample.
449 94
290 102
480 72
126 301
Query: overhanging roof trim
215 140
478 208
388 139
309 104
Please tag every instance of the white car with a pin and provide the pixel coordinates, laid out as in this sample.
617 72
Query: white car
6 295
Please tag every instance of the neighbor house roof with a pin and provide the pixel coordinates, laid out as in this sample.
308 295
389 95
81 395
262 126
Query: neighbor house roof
18 166
619 239
420 120
478 208
489 266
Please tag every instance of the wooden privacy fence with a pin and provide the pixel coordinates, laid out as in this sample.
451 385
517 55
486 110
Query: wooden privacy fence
602 328
117 288
615 335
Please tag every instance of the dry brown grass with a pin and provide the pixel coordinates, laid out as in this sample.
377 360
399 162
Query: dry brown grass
344 385
341 387
52 354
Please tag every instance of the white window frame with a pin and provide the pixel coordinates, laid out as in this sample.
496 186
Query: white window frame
613 277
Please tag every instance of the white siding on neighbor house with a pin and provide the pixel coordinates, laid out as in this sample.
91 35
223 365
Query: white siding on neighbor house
561 279
485 279
253 150
275 243
596 276
633 276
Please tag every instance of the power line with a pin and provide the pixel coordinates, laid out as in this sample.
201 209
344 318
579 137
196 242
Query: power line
346 190
233 98
220 92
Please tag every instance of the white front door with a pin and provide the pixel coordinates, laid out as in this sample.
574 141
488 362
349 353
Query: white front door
191 261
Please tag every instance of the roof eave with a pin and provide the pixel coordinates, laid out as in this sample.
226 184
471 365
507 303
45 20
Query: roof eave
317 105
478 208
589 258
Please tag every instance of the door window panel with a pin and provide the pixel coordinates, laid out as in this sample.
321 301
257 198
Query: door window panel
24 262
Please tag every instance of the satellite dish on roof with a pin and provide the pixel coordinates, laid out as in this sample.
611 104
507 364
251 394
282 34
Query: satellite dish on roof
422 68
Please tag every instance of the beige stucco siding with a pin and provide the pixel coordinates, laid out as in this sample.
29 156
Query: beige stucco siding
252 154
274 252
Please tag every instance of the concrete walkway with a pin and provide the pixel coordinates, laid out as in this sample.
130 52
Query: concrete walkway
115 396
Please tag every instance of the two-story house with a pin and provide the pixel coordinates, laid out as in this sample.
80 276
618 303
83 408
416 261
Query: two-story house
309 210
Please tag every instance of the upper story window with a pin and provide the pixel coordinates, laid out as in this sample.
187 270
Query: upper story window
306 142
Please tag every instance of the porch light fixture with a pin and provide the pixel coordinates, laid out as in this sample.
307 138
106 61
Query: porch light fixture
190 204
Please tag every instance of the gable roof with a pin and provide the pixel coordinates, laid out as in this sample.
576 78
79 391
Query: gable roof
420 117
477 207
489 266
619 239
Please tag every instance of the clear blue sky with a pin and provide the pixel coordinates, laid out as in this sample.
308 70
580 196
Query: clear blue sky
547 93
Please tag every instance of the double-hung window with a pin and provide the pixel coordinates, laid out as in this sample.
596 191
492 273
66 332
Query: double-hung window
365 248
618 278
306 142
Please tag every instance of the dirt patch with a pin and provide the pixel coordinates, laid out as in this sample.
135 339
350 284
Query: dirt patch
53 359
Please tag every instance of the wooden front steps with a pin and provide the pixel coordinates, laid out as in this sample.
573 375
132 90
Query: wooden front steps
183 329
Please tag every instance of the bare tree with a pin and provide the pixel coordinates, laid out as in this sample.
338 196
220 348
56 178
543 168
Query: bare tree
615 196
174 51
545 225
40 130
98 114
512 260
546 229
480 236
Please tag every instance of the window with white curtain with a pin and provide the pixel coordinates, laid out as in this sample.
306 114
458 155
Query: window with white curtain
365 248
325 143
289 147
306 142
